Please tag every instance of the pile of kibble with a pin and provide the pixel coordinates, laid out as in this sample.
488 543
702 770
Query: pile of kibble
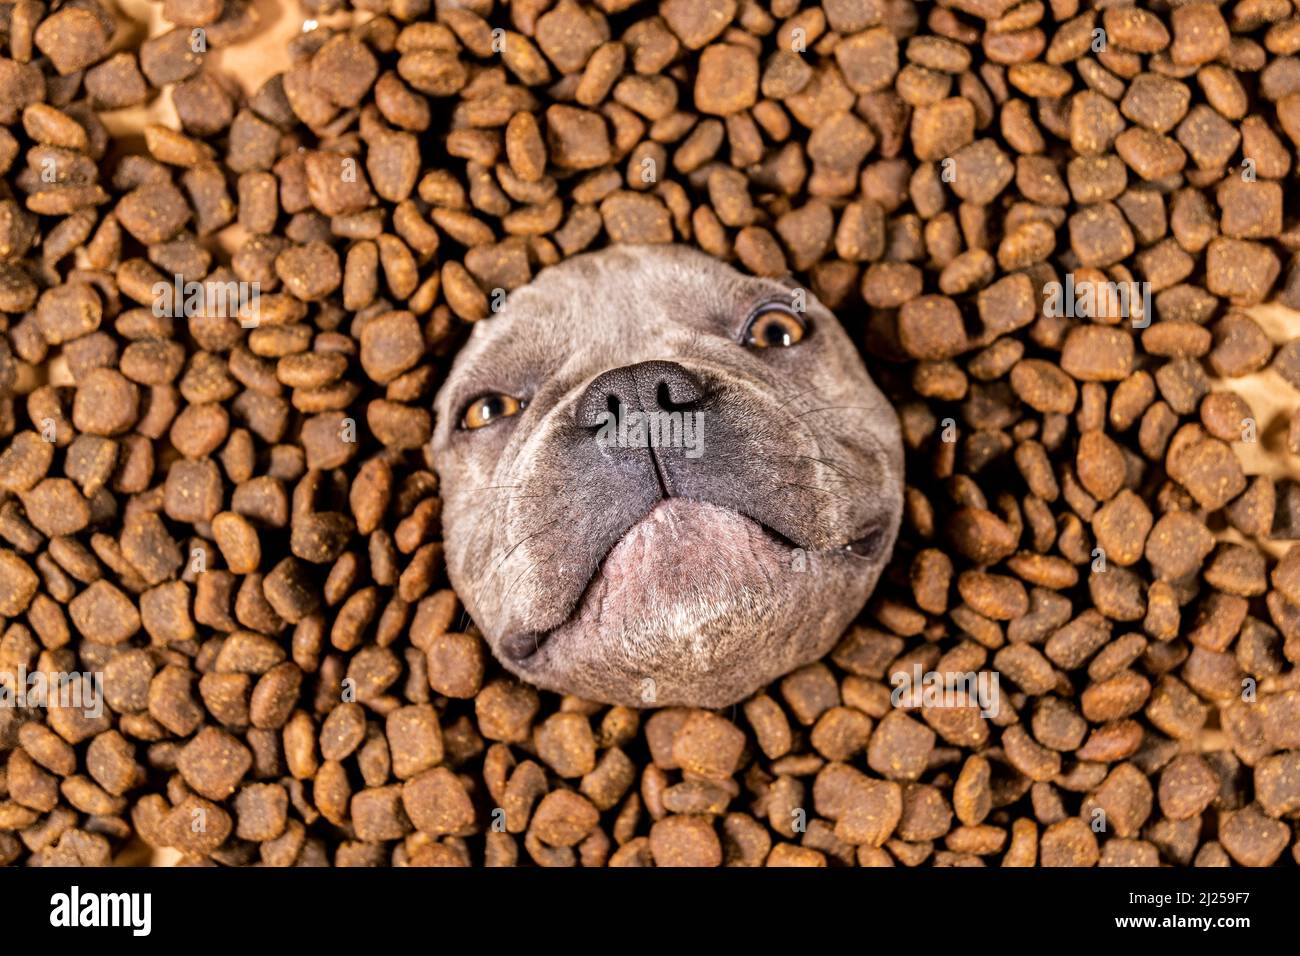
232 521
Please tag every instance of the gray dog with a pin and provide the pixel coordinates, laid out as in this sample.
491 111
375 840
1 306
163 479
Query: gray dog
664 482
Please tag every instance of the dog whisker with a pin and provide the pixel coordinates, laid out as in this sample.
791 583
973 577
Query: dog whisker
823 491
836 408
824 461
797 396
526 538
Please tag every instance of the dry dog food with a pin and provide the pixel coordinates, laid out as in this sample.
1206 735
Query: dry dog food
1045 221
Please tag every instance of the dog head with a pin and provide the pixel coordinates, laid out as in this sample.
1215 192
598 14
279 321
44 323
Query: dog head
663 482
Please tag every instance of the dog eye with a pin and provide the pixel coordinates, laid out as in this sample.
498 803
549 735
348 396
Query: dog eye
486 409
775 326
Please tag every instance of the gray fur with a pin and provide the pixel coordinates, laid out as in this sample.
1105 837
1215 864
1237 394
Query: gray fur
700 606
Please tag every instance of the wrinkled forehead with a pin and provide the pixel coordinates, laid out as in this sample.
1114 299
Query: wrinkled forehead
601 304
604 294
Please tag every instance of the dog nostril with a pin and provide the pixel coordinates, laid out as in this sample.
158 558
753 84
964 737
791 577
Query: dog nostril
675 387
608 395
646 386
665 398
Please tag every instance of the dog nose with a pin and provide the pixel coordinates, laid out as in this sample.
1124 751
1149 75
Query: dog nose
646 386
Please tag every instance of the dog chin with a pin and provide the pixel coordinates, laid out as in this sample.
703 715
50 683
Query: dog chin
687 593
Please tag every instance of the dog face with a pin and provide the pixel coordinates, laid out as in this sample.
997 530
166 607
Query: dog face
664 483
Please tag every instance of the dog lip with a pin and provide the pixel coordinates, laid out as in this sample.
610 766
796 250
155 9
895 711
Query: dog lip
520 646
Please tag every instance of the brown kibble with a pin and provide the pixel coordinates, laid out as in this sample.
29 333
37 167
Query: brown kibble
563 818
565 742
73 39
106 403
414 739
577 138
708 745
233 512
377 814
636 218
18 584
1095 353
727 79
900 747
261 811
930 327
1208 469
456 664
390 344
193 491
685 841
214 763
104 614
1251 838
505 710
525 149
1069 843
437 804
1188 785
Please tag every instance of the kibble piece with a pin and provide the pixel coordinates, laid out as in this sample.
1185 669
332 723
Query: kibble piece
1276 784
1188 784
727 79
1251 838
344 70
869 59
455 664
106 403
708 745
261 811
390 344
214 763
68 311
770 726
1121 526
377 814
900 747
1070 842
1100 235
930 327
563 818
565 742
577 139
436 803
685 840
193 491
809 692
1241 270
104 614
18 584
505 710
73 39
1094 353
